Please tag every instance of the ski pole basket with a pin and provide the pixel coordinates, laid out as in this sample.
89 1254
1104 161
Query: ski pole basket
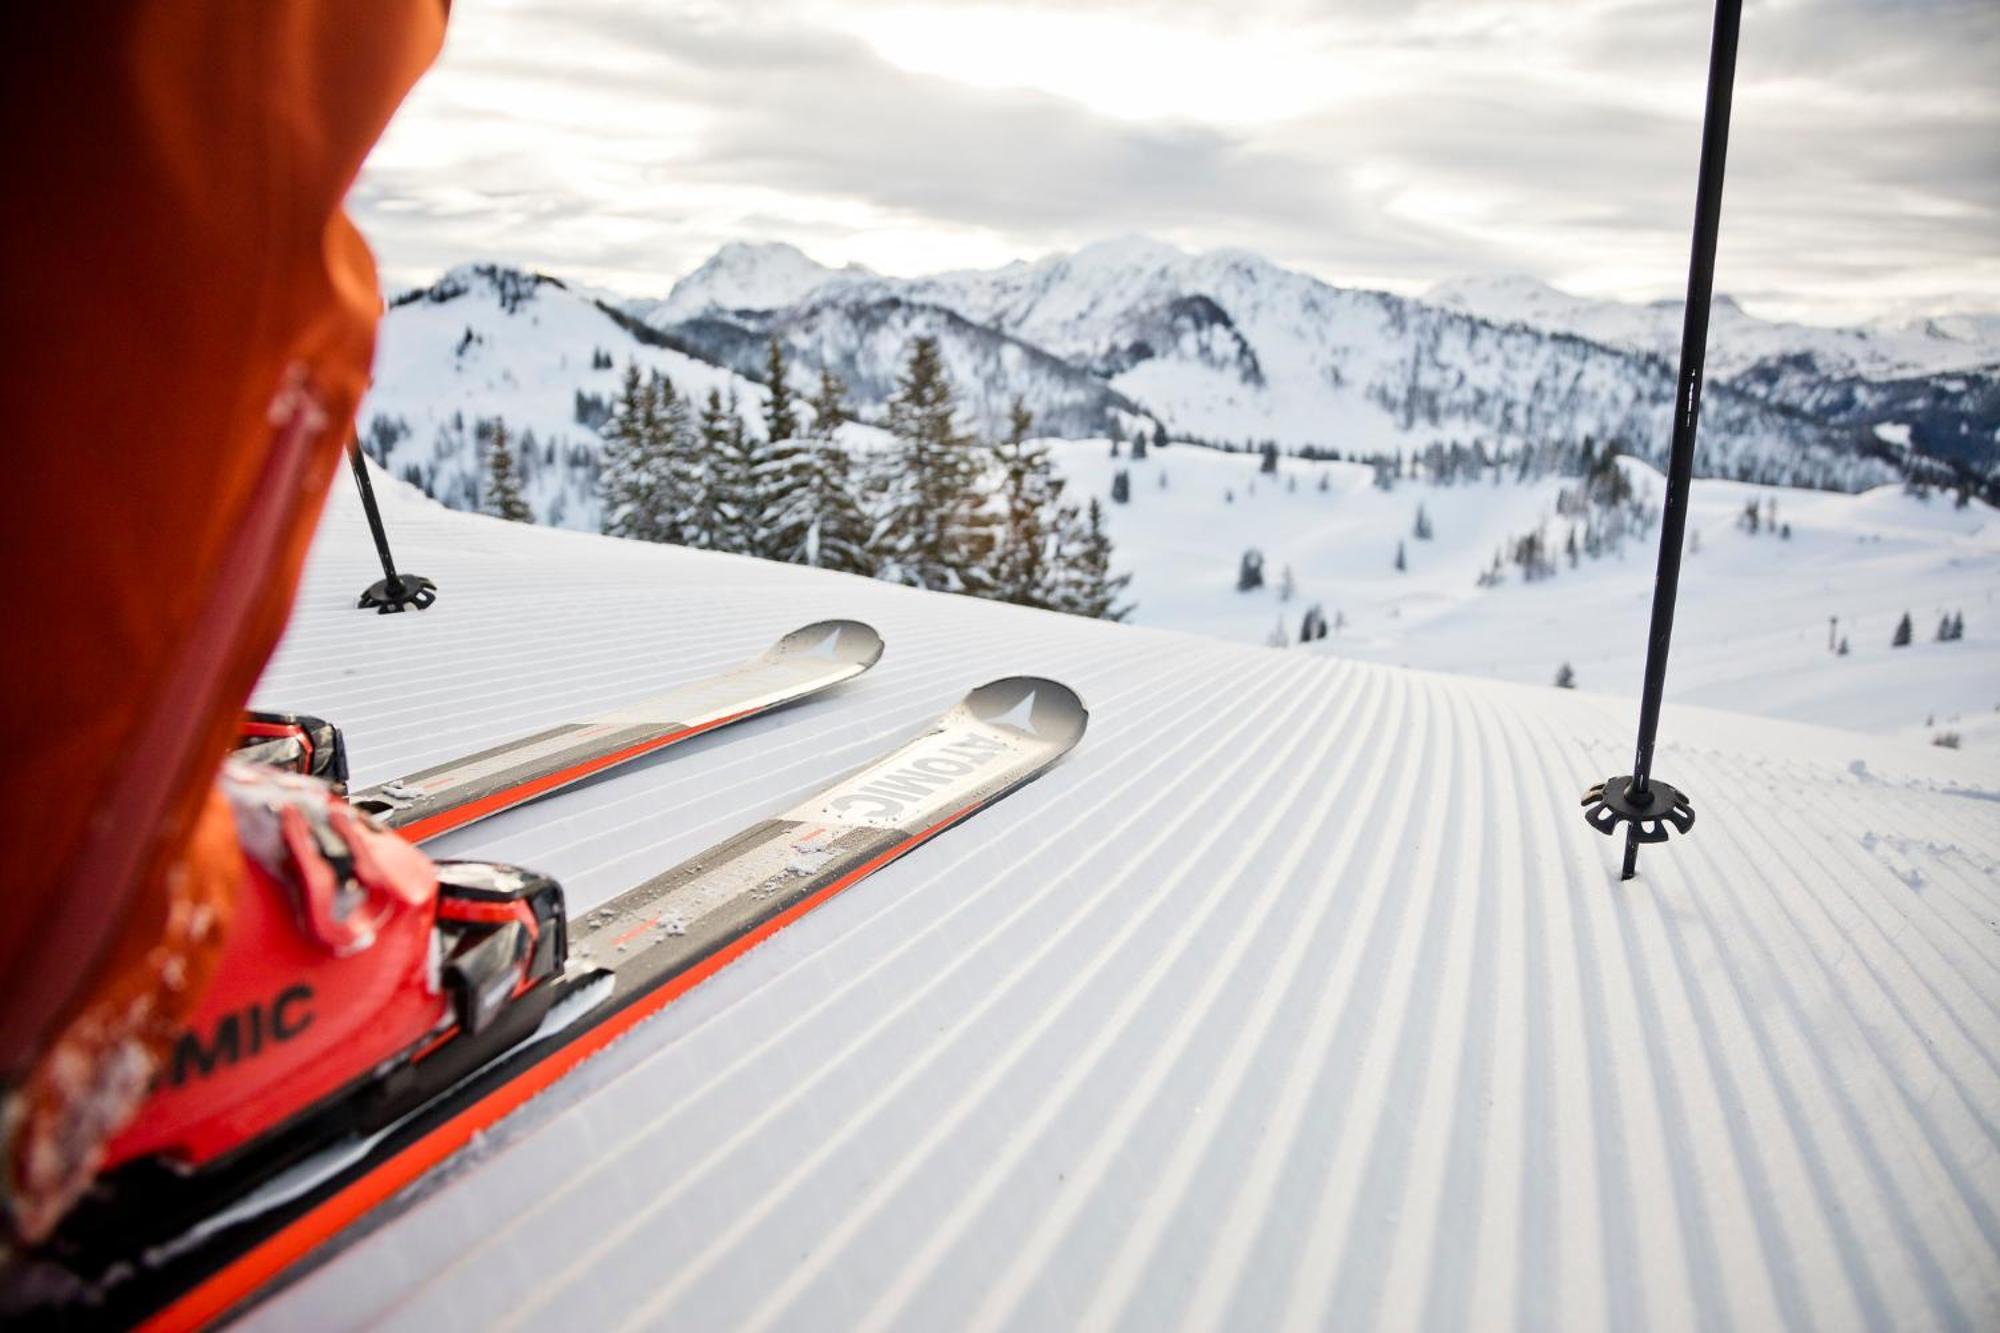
1648 812
393 592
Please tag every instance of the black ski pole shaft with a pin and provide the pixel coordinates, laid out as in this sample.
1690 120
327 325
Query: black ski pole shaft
1687 394
396 592
368 505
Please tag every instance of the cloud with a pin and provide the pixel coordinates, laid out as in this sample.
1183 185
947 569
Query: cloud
620 141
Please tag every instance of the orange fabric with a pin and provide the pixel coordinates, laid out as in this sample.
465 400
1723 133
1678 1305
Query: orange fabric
188 319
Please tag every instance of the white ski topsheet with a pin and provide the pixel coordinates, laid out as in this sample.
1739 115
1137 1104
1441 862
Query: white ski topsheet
1002 734
1300 996
805 661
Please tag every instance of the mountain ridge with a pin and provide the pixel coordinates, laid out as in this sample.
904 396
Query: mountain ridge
1223 348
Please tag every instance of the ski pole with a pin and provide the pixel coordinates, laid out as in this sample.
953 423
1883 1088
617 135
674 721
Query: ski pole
1643 805
395 592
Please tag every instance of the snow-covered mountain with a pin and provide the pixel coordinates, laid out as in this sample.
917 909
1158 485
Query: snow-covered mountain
1222 347
745 276
1226 346
1738 340
1933 382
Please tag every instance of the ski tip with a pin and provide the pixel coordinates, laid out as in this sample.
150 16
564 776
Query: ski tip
1046 709
847 641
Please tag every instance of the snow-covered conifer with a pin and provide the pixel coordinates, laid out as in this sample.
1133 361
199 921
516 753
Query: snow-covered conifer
1091 588
701 473
780 422
739 483
503 489
813 513
1250 571
1026 562
933 532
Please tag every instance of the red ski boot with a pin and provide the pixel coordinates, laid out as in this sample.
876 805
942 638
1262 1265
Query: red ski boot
358 974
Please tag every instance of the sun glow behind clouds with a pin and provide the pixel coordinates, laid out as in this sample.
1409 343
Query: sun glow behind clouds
1119 65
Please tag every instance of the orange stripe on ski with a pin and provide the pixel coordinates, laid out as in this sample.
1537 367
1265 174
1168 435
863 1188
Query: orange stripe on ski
444 821
254 1270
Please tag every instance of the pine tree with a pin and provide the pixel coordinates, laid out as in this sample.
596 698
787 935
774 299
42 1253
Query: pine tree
1565 677
780 421
1121 487
672 455
1250 571
1139 445
1270 463
1423 527
640 480
503 488
1091 588
934 533
811 512
1032 514
1401 563
624 445
739 485
1903 632
700 472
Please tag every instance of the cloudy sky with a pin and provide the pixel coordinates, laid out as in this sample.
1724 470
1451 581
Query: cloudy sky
1389 143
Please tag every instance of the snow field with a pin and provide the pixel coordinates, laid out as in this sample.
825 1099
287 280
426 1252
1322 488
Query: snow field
1752 624
1300 994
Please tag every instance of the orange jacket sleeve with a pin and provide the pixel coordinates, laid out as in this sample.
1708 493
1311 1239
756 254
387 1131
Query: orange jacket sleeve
188 319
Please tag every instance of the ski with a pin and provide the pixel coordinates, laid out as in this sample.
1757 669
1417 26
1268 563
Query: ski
163 1251
461 791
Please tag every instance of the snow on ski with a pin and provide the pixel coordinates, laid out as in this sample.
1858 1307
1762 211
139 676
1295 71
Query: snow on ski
460 791
626 960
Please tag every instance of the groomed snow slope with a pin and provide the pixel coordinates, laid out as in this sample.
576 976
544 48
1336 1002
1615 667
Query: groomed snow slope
1299 995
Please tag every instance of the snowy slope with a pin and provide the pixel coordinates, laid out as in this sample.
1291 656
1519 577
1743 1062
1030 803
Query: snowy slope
491 342
1752 633
1299 995
1738 340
